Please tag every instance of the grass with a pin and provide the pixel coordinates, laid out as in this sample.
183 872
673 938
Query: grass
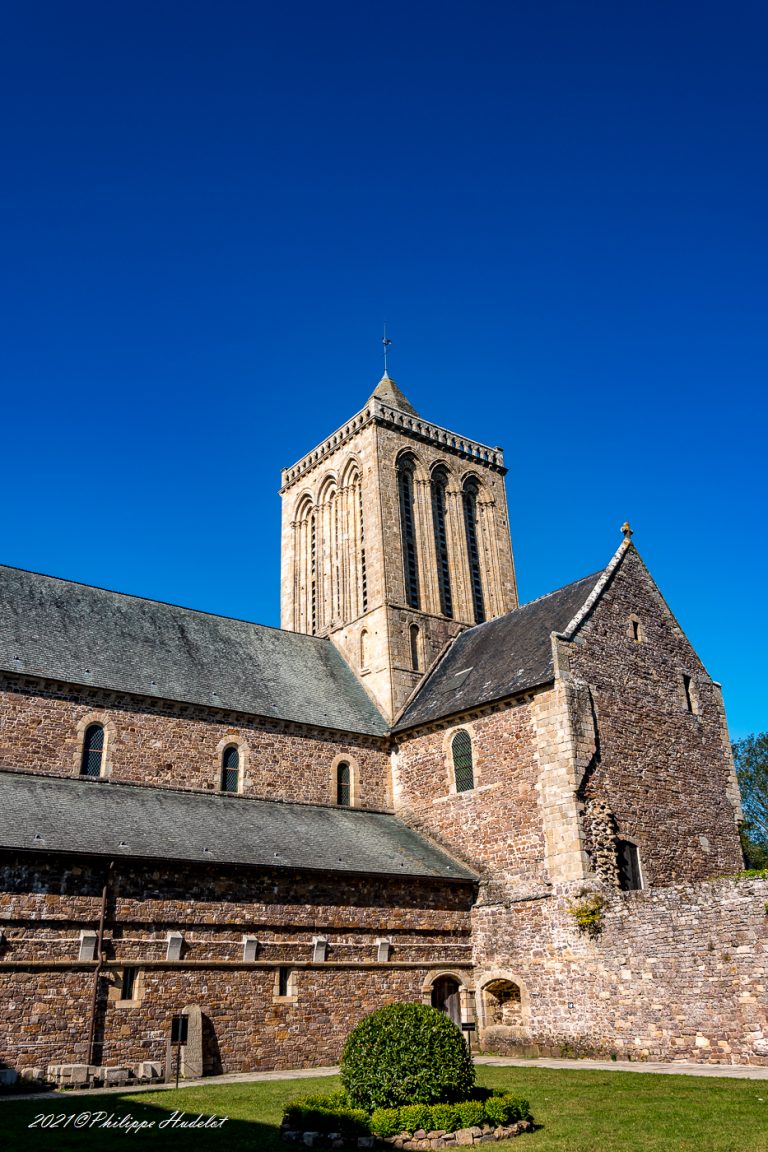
579 1111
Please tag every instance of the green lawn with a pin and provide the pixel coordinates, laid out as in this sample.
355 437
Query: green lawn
579 1111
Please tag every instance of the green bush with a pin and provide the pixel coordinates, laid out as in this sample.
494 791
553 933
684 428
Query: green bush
386 1122
331 1113
506 1109
406 1054
471 1112
415 1116
445 1117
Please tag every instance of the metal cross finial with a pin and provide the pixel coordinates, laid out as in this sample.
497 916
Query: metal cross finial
628 533
386 344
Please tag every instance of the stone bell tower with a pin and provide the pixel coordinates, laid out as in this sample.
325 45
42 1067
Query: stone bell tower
395 538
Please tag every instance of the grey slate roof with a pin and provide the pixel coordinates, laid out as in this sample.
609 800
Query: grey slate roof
96 817
83 635
497 659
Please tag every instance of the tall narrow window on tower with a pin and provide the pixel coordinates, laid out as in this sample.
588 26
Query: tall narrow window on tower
313 572
405 484
439 485
470 493
363 573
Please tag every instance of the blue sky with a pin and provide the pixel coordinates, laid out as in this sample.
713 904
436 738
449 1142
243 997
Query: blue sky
560 209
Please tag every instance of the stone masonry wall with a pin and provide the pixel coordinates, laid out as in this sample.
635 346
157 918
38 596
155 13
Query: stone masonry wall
677 973
662 771
45 992
43 725
496 827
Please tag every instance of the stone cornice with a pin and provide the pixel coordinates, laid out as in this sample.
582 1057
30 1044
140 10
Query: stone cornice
377 412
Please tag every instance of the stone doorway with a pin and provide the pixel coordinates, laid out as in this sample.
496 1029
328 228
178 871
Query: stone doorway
446 997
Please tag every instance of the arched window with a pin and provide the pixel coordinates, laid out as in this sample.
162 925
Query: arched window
471 489
343 784
364 648
406 489
463 770
415 656
230 770
93 751
313 572
439 485
363 570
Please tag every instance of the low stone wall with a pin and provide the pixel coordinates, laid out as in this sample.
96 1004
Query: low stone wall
676 973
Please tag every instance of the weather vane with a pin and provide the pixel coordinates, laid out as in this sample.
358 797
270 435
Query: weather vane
386 342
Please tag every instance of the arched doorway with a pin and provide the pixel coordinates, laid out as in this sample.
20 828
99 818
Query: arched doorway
446 997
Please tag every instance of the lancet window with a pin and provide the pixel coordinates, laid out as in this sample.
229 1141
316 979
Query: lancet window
469 496
439 485
406 489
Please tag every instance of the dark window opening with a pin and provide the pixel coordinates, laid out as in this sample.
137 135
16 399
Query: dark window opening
283 980
93 751
343 784
636 631
313 569
230 770
463 770
128 983
473 553
414 634
439 484
446 997
630 879
690 700
408 529
363 572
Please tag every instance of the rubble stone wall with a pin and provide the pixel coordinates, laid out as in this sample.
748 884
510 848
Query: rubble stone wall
677 973
43 726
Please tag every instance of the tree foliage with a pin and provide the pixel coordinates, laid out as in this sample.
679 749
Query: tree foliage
751 758
406 1054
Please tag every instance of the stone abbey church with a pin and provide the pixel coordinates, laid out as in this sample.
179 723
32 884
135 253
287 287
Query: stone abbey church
417 789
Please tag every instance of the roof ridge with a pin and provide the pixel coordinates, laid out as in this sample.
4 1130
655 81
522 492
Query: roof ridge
165 603
597 591
528 604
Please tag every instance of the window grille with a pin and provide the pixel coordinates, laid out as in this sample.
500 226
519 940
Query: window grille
408 531
343 784
473 554
461 747
439 484
93 751
230 770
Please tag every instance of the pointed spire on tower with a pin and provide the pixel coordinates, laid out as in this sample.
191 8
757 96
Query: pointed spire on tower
388 392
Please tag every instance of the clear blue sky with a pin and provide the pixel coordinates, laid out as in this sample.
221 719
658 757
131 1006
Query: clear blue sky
208 209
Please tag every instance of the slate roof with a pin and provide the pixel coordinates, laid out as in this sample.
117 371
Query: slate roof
99 818
498 659
83 635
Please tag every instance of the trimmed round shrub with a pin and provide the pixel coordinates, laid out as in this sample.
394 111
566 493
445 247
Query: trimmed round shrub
406 1054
